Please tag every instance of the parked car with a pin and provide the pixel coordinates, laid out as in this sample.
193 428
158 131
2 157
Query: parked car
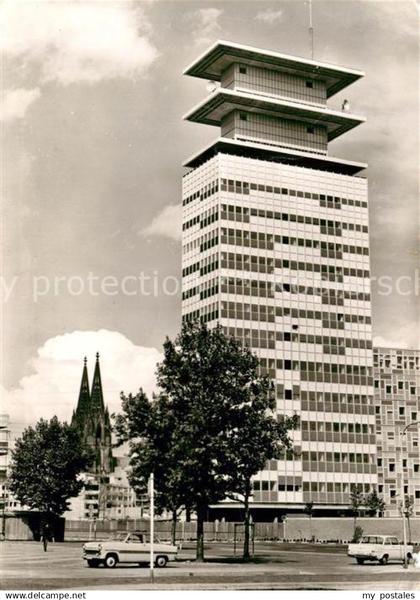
127 548
379 547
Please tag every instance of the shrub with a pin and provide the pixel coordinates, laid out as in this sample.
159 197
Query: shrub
357 534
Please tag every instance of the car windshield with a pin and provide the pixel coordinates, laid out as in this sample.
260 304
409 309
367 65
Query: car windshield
369 539
118 536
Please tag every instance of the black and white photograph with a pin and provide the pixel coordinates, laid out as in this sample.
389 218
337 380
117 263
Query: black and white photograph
210 282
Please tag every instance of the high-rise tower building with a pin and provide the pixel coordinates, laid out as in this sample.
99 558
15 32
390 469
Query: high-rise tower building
276 250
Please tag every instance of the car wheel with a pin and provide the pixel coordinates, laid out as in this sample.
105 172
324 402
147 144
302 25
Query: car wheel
161 561
384 559
110 561
93 563
360 561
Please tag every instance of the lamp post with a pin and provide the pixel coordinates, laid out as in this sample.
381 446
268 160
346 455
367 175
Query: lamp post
403 433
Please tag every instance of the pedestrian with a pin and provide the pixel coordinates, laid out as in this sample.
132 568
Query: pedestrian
45 534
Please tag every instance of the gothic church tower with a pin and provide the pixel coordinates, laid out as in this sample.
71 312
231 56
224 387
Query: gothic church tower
91 418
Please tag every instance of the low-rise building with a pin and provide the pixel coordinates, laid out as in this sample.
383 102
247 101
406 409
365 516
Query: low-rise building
397 409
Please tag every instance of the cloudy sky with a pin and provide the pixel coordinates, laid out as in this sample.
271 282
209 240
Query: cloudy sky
91 107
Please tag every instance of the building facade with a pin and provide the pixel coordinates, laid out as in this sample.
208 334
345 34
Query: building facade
276 250
397 408
4 462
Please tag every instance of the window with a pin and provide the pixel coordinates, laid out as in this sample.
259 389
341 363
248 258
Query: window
391 467
309 84
388 389
392 493
412 390
401 411
243 116
414 416
379 462
242 70
416 468
288 394
310 130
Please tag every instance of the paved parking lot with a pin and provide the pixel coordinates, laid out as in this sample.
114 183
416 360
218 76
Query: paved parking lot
24 565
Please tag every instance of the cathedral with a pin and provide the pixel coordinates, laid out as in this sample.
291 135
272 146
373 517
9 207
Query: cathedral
91 418
106 493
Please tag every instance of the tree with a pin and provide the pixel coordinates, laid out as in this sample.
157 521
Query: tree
46 463
256 436
309 510
149 429
198 434
408 513
374 503
356 501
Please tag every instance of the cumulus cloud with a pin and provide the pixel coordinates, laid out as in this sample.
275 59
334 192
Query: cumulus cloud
15 103
270 16
52 387
400 336
207 25
77 41
168 223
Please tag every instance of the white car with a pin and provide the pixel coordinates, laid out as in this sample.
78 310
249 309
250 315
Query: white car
127 548
379 547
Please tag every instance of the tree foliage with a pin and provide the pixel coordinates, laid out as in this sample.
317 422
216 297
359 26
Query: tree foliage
149 428
46 462
374 503
209 429
256 437
356 501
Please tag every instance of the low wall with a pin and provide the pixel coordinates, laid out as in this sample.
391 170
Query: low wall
27 524
328 529
296 528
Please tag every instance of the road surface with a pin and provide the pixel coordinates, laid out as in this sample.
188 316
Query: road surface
24 565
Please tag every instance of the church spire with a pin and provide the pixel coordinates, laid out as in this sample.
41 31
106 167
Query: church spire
83 404
97 398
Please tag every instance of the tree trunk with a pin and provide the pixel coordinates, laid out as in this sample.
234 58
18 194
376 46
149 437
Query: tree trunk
246 555
201 513
173 528
409 529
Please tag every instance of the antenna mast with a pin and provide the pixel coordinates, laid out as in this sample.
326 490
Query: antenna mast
311 29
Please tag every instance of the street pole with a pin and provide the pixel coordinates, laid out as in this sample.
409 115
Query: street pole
152 524
403 508
3 519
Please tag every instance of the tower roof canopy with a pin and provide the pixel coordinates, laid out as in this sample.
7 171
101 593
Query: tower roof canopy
222 54
220 103
274 154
